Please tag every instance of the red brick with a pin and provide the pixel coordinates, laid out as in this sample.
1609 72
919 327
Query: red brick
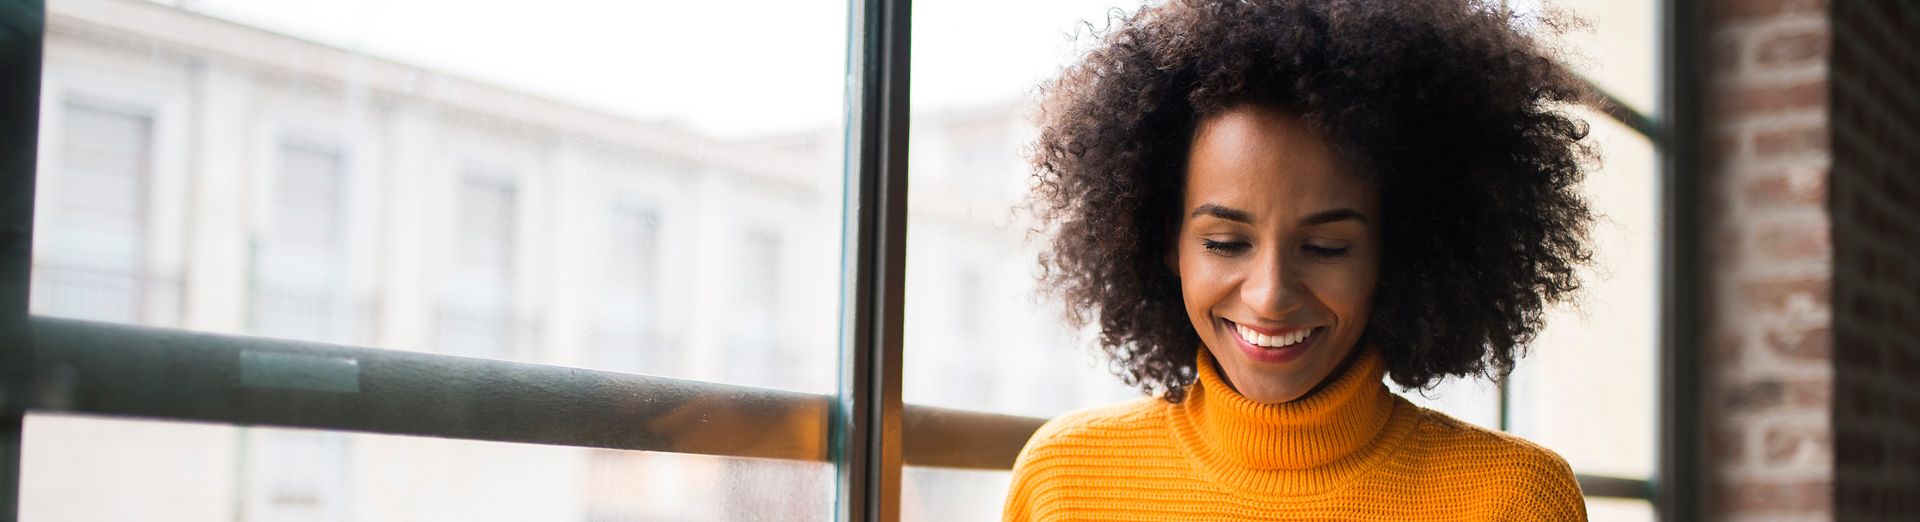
1776 395
1727 351
1747 101
1762 395
1777 294
1792 49
1725 54
1796 443
1808 394
1802 344
1721 147
1795 241
1744 9
1728 445
1788 141
1787 189
1794 496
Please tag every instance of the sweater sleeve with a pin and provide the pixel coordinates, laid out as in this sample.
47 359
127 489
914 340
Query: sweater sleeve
1543 487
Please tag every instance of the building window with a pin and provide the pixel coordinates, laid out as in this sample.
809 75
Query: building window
757 354
299 262
628 336
477 311
93 251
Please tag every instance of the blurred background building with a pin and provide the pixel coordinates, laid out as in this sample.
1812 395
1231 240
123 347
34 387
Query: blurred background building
228 167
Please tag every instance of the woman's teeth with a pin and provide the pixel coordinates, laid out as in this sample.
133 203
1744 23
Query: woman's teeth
1272 341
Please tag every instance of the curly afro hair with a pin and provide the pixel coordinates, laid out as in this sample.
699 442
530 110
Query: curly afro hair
1451 109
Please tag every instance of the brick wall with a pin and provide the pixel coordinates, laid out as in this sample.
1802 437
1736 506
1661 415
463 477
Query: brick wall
1876 237
1767 388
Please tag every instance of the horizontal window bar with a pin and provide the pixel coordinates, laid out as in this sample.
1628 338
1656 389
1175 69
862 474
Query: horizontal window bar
944 438
135 371
1615 487
121 370
1613 107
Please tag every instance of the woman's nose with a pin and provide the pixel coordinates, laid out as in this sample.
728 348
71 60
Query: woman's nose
1272 290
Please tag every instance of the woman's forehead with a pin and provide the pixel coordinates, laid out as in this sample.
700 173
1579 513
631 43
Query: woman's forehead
1263 161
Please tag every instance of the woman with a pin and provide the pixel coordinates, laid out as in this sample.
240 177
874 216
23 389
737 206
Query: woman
1268 205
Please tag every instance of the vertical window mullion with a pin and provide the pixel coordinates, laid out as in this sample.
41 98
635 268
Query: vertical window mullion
20 50
867 425
1677 476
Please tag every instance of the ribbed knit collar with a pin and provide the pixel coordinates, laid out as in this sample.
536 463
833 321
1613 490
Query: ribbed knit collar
1300 447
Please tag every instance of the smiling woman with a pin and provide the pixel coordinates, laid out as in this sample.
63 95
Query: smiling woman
1268 207
1278 257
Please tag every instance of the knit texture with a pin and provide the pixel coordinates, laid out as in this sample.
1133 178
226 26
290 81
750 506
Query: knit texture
1351 451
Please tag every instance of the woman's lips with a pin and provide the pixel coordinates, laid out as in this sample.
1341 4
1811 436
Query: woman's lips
1279 347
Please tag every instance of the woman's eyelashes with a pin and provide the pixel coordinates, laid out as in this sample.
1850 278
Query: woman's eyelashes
1224 247
1323 251
1229 248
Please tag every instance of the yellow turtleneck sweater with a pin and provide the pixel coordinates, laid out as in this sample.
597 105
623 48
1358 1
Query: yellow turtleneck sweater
1351 451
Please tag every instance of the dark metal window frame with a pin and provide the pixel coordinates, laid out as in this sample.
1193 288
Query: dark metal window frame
61 365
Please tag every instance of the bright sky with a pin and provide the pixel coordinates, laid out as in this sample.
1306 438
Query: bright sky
733 68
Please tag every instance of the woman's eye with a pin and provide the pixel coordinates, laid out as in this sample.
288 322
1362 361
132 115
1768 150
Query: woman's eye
1324 251
1224 247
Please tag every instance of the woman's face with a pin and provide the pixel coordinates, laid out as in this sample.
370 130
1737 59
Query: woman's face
1277 253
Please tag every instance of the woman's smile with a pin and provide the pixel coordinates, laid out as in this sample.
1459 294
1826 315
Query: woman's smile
1273 346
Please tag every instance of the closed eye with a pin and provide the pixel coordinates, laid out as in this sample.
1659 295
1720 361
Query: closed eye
1224 247
1321 251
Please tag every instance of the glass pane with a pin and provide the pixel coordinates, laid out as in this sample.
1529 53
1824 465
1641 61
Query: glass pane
1618 49
978 336
1588 390
615 186
936 494
1620 510
1476 401
86 468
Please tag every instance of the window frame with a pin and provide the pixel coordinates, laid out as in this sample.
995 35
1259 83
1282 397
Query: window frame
864 429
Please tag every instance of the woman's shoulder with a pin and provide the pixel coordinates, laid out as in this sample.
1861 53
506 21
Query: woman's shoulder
1110 444
1102 422
1519 471
1457 438
1092 429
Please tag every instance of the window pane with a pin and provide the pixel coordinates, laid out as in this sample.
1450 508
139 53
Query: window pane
616 186
977 334
1588 390
937 494
1618 50
85 468
1620 510
1476 401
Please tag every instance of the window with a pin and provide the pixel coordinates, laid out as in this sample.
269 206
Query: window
478 312
629 326
94 263
637 262
300 286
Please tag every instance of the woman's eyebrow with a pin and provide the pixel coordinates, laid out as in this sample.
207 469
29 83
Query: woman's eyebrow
1230 214
1318 218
